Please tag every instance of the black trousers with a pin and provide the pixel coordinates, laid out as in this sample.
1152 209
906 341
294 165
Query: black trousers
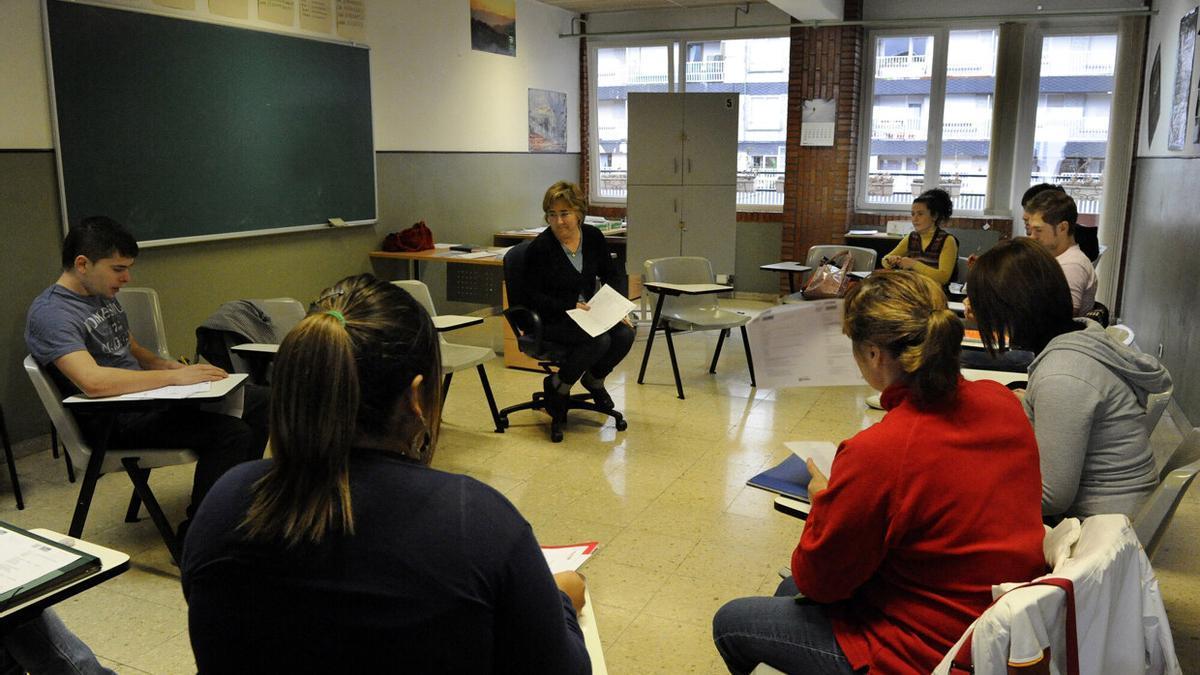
219 441
596 355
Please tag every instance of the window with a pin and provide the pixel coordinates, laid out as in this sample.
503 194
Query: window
907 120
1074 100
756 68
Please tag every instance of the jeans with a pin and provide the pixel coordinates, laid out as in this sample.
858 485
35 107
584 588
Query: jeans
795 637
596 355
44 645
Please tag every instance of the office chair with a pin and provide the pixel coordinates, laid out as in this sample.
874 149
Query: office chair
285 313
144 313
527 326
456 357
136 463
692 312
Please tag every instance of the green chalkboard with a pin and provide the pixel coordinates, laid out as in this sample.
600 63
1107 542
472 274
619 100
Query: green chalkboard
184 129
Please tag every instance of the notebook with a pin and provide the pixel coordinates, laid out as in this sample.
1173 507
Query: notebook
32 566
789 478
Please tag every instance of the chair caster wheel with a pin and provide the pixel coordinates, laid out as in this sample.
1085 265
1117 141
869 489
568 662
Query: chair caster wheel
556 436
622 425
502 425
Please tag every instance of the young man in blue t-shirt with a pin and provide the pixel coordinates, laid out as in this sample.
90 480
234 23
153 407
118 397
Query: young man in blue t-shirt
79 332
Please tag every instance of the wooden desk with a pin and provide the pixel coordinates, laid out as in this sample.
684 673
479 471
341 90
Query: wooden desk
112 563
415 258
882 243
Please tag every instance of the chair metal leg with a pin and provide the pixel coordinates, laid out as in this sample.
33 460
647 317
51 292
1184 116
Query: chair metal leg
720 341
749 358
70 467
674 364
141 486
446 385
135 502
650 338
54 441
54 445
12 462
487 391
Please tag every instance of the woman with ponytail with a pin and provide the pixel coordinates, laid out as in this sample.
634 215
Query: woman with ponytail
921 513
345 552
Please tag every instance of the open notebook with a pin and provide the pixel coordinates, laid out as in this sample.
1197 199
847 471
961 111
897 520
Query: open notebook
32 566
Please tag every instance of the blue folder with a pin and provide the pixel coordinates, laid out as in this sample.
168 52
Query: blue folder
789 478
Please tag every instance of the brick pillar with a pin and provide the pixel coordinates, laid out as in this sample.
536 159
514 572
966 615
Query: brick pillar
585 170
818 200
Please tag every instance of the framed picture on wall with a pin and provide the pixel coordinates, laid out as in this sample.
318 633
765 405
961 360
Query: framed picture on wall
547 121
494 26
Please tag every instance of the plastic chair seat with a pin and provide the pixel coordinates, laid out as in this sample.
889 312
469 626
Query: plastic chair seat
456 357
687 318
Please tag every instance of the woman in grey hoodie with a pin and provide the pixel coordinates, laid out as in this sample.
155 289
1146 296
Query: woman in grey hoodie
1087 393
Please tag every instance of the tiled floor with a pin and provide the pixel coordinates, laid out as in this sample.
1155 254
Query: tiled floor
680 532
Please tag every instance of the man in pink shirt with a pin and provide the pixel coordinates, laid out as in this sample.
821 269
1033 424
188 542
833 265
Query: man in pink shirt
1050 220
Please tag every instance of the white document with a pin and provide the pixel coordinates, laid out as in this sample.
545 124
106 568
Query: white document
801 345
607 308
690 288
23 559
173 391
820 452
863 232
568 558
478 254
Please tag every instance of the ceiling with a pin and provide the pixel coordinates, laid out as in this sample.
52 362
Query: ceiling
584 6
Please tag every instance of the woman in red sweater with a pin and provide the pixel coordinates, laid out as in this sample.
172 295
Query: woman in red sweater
920 515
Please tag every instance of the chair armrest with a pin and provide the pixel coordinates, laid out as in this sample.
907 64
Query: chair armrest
525 322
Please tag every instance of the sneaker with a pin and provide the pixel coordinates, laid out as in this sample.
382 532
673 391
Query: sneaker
556 404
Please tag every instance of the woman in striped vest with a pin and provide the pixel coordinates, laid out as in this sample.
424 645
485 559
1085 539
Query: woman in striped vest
928 250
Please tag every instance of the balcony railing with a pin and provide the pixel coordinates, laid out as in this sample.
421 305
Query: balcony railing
696 71
1076 63
902 67
1073 129
1086 189
754 187
898 130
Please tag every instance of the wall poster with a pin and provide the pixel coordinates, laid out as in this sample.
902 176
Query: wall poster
1177 133
547 121
494 26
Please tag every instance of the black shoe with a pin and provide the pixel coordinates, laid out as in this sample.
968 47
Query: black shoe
601 398
556 403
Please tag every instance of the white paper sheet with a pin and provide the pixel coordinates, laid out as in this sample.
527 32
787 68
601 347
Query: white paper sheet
801 345
173 391
820 452
570 557
23 559
478 254
607 308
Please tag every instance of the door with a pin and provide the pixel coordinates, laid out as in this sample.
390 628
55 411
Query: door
710 127
655 139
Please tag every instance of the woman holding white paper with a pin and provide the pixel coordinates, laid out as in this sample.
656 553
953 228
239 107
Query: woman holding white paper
920 514
565 265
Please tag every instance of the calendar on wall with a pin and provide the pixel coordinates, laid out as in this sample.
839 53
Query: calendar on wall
817 122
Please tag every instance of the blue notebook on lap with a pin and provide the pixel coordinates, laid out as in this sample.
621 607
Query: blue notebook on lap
789 478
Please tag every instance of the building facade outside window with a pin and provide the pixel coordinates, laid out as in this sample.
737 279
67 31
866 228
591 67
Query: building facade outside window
755 68
906 120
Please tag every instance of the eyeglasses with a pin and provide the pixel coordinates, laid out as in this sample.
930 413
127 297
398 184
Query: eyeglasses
559 215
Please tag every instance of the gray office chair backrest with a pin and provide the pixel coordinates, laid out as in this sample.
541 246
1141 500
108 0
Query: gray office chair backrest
1155 515
1121 333
285 313
1156 404
68 431
681 270
145 319
864 258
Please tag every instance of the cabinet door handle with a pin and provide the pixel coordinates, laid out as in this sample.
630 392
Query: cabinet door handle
689 164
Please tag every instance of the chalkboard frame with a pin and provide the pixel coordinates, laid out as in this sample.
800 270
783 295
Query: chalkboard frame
351 177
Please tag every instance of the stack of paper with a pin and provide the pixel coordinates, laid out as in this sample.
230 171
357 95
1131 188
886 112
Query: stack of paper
606 308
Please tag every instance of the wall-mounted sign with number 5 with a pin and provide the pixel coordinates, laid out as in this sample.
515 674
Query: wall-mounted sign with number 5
728 101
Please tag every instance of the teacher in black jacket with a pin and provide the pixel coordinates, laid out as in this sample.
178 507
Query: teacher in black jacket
565 265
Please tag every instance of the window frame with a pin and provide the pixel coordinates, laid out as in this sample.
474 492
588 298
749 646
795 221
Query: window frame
676 45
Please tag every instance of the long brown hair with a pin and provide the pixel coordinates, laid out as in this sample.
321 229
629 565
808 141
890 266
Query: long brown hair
338 377
906 314
1020 296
